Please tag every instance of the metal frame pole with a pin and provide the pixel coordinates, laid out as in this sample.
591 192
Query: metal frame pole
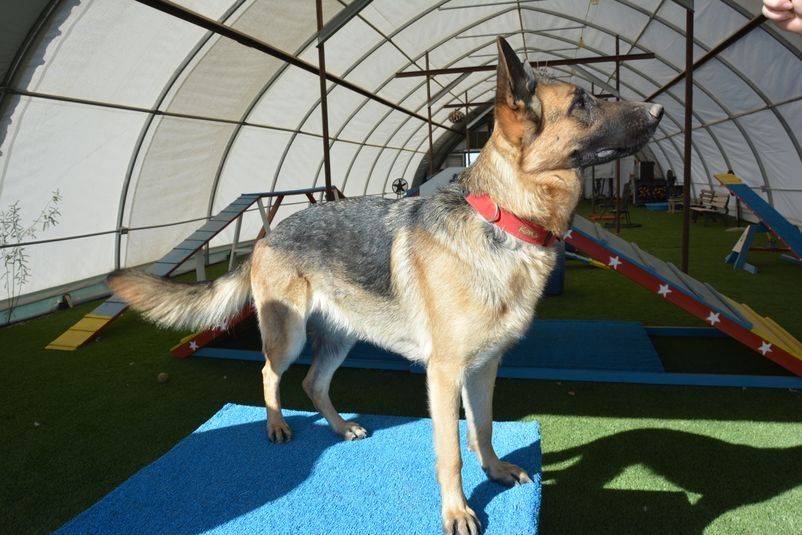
324 106
686 172
617 162
467 130
551 63
429 110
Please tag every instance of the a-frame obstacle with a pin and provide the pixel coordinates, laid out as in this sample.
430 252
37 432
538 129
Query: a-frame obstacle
770 221
90 326
736 320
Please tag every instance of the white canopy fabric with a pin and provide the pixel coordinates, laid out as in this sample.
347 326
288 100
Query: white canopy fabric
140 119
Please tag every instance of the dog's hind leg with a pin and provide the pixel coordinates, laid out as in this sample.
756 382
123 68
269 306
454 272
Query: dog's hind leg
477 398
283 336
330 349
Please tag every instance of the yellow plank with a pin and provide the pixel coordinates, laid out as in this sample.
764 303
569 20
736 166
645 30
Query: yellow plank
60 348
80 333
793 344
727 178
71 339
769 330
91 323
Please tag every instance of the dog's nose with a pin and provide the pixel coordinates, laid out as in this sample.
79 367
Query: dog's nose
656 111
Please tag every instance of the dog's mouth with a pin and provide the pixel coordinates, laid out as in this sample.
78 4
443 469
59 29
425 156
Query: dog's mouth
609 154
605 155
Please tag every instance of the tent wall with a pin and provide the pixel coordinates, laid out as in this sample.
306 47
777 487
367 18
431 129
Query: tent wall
140 119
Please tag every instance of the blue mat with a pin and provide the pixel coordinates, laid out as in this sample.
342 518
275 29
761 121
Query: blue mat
553 344
586 345
226 478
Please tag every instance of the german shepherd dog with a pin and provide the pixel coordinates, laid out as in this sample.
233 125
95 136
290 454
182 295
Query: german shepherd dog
356 269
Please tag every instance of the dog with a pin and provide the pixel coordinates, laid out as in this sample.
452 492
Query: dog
461 270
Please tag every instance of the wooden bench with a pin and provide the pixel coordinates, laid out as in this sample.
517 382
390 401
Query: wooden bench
711 205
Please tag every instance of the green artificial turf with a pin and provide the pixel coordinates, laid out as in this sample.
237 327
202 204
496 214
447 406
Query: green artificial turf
617 458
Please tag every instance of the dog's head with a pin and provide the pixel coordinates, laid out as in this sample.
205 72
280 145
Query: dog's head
560 126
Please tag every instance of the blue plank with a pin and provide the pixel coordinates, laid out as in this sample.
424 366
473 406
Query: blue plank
215 225
783 228
162 269
190 245
229 214
201 234
177 256
110 308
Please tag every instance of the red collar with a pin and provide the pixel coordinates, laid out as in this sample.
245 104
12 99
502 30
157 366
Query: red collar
510 223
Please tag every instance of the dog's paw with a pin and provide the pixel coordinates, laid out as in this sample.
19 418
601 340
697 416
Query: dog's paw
461 521
353 431
279 432
507 474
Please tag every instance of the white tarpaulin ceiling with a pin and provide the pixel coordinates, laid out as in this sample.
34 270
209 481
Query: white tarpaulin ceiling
140 119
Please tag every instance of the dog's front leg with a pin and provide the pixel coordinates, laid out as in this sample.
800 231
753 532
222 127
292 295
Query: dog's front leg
477 395
444 382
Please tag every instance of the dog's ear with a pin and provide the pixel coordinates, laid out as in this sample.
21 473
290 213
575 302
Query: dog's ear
516 83
518 109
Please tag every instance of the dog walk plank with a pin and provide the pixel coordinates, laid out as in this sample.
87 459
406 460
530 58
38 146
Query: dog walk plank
178 256
88 328
190 245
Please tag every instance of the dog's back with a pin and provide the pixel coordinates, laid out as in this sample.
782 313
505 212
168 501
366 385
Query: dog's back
352 236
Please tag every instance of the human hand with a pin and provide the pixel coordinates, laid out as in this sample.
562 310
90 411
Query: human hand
787 14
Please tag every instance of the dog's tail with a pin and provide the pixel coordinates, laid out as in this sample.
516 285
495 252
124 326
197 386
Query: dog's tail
199 305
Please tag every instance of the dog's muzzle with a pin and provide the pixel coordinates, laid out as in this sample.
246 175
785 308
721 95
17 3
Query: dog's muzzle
656 111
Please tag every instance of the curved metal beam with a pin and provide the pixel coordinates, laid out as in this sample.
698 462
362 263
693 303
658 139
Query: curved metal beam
505 11
32 36
698 152
759 92
146 128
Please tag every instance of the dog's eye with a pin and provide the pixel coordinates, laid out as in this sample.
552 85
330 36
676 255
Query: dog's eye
579 103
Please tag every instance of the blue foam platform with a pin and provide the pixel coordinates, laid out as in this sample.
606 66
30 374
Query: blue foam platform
553 344
585 345
226 478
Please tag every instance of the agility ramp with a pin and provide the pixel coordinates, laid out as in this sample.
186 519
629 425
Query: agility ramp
93 323
738 321
225 478
770 220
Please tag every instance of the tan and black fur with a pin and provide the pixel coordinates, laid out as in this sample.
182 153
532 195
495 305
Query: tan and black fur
427 278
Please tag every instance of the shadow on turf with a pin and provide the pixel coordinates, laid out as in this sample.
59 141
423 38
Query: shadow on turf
715 473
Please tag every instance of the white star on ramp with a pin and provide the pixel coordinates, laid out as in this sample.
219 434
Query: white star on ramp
764 348
614 262
568 234
193 345
712 318
664 290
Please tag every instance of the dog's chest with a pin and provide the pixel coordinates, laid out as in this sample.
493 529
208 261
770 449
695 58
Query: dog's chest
510 291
